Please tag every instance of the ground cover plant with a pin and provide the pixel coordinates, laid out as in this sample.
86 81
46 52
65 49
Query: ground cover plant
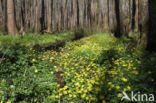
77 51
94 69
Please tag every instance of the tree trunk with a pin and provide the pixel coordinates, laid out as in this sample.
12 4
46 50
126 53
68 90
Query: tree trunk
49 16
133 15
151 44
78 21
107 16
4 12
22 17
42 19
117 12
11 18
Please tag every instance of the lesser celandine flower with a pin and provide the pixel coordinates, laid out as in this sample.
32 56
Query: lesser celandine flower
74 96
70 95
128 88
33 60
120 95
65 92
124 79
125 89
117 87
83 96
56 96
8 101
87 98
36 71
103 101
149 72
52 72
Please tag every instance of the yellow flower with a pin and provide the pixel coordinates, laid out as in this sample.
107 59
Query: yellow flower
58 85
92 81
125 89
109 83
87 98
65 92
52 72
90 88
149 72
117 87
36 71
1 101
8 101
69 91
103 101
70 95
82 96
60 94
74 96
33 60
124 79
56 96
112 86
65 87
128 88
85 91
120 95
55 66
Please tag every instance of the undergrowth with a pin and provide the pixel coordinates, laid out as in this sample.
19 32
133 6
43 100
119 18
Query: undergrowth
93 69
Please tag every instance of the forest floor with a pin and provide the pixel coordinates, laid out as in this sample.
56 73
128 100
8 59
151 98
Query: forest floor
54 68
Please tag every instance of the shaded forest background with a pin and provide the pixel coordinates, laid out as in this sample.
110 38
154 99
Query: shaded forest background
47 16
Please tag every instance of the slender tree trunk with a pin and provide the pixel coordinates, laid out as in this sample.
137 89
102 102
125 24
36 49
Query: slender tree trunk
117 12
11 18
42 19
133 15
107 15
151 44
22 17
4 11
78 21
49 16
140 21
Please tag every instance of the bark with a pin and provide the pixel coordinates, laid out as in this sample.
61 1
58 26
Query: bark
117 12
140 21
42 17
133 15
4 12
151 44
78 21
49 16
11 18
22 17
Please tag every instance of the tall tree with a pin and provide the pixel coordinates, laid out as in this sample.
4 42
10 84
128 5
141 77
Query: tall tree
49 15
151 44
11 18
133 14
140 20
78 12
42 16
4 16
22 16
117 12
